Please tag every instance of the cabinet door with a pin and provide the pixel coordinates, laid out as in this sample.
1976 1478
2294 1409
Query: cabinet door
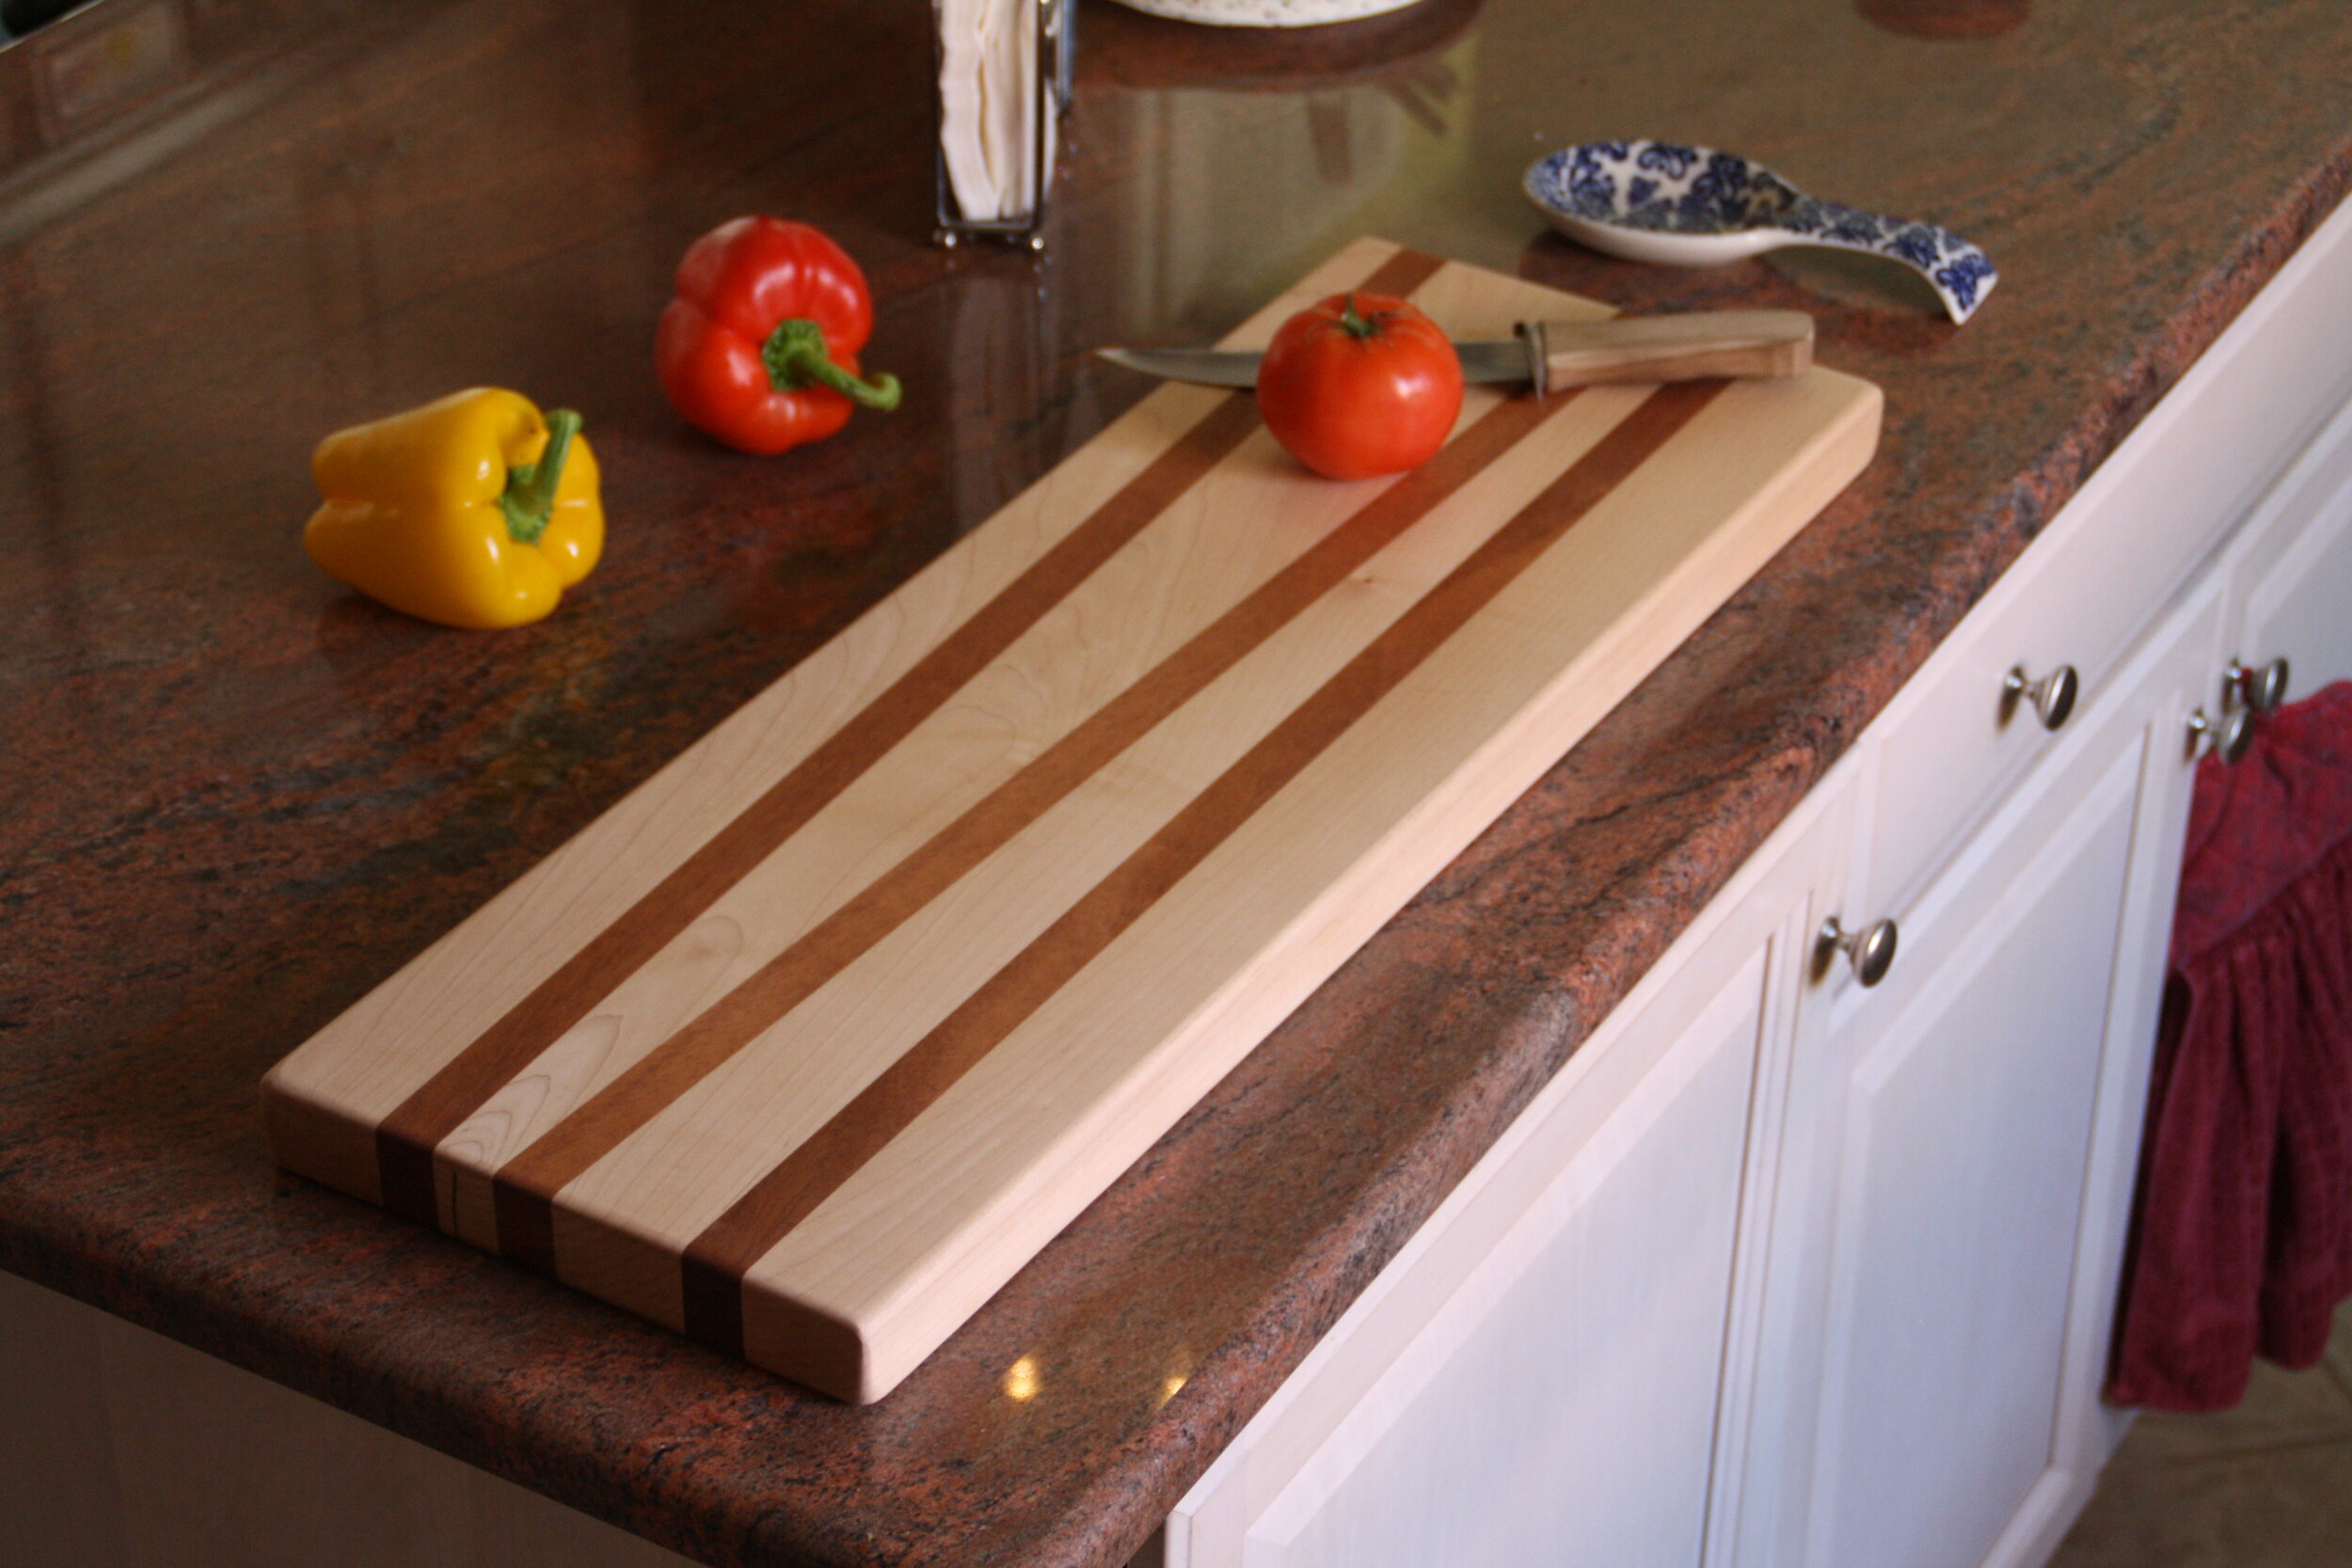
1563 1411
1537 1377
2294 571
1950 1135
1967 1134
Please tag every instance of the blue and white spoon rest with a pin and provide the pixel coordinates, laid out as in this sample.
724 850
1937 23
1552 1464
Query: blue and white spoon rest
1694 206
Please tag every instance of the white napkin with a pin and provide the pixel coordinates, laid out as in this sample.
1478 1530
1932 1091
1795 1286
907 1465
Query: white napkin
989 87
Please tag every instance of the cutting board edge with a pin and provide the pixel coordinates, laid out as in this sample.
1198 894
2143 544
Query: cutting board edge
317 1140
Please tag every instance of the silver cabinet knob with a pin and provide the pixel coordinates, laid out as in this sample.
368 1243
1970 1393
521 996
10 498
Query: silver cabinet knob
1870 950
2260 687
2053 696
2227 737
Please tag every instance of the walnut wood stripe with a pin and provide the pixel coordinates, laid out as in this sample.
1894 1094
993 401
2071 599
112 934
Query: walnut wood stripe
525 1187
405 1139
714 1264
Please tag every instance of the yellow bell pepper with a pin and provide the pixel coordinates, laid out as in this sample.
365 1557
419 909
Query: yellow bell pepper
474 510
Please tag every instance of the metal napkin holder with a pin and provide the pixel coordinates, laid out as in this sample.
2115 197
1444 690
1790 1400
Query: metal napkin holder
1057 25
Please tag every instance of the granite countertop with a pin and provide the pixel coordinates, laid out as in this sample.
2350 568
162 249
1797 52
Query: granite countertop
236 798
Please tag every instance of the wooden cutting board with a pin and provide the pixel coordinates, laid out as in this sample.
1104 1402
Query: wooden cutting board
811 1042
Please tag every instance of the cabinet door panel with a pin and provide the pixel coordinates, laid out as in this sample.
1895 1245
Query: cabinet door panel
2301 609
1968 1125
1561 1409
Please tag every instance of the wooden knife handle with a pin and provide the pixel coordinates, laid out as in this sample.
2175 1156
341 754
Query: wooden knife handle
1682 347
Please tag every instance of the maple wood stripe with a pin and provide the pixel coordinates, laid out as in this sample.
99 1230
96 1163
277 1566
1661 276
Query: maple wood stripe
405 1139
525 1187
714 1264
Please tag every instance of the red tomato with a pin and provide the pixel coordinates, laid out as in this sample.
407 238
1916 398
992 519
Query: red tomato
1360 384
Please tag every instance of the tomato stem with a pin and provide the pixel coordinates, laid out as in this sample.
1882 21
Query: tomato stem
1358 325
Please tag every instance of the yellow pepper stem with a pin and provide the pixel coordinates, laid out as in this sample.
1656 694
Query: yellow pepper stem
528 499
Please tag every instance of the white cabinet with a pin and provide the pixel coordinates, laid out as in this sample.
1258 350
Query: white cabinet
1782 1271
1786 1273
1578 1366
1951 1214
1537 1377
1963 1126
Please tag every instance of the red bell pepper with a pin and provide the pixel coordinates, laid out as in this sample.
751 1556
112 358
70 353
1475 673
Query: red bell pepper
759 348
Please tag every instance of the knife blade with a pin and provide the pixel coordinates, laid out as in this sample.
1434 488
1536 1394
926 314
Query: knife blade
1554 355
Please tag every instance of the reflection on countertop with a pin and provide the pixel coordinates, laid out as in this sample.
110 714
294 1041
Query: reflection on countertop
109 91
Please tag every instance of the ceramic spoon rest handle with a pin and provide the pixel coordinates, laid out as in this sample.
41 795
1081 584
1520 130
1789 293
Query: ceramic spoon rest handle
1669 348
1958 271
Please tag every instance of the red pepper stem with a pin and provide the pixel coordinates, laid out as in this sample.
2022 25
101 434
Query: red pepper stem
795 356
528 499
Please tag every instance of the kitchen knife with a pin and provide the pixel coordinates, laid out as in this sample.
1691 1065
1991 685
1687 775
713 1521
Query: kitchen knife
1552 356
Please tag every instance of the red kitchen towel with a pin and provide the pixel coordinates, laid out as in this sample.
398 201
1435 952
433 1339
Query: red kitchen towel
2241 1244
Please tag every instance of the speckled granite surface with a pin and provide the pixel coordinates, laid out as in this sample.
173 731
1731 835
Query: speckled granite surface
235 799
